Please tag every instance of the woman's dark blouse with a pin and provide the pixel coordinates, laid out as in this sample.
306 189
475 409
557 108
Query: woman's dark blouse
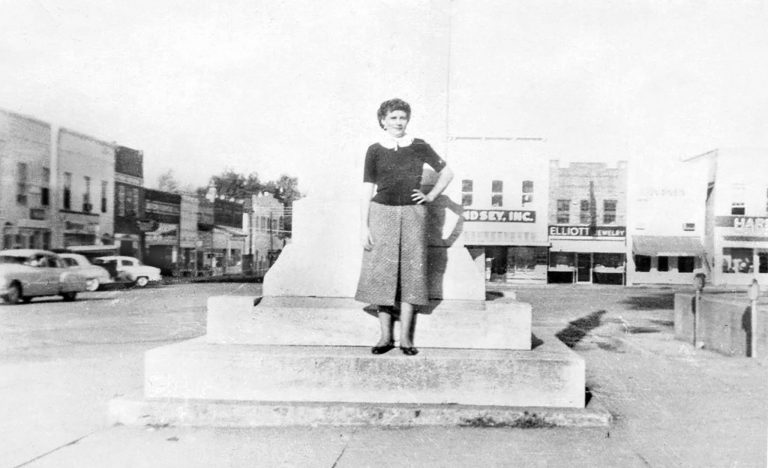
398 173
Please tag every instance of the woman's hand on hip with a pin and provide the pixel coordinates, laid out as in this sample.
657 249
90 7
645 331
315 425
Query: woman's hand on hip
420 197
366 239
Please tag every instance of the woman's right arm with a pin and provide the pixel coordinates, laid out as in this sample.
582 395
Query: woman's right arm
365 209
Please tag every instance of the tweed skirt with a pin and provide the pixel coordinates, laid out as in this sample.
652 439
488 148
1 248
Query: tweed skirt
395 269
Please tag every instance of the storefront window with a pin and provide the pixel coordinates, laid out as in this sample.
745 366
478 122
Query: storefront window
737 260
527 262
562 260
609 260
686 264
642 263
663 264
762 258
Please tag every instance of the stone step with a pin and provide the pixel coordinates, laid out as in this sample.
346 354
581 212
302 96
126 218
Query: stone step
497 324
134 410
550 375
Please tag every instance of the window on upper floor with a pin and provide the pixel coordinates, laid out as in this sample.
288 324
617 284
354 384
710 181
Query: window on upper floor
466 192
737 208
584 216
103 196
527 192
67 199
45 197
87 207
21 183
563 211
609 211
497 193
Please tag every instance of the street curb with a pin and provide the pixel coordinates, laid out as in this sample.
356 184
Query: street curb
239 414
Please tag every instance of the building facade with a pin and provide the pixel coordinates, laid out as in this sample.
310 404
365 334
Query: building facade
736 214
264 223
229 238
503 187
25 176
163 210
587 223
666 228
130 223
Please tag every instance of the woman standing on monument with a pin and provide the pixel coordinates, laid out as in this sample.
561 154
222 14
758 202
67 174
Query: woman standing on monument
394 216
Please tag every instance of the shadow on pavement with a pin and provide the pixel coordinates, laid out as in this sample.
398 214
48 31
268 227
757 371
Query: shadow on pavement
578 329
651 302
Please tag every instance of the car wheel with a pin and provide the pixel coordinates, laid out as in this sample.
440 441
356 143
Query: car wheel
14 294
92 284
69 296
142 281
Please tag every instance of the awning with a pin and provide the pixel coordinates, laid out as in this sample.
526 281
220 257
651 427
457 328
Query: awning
667 246
232 231
598 246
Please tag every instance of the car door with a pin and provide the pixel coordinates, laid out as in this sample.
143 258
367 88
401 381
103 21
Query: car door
51 271
33 279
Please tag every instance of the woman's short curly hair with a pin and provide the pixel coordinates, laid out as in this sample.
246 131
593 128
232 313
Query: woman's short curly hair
393 105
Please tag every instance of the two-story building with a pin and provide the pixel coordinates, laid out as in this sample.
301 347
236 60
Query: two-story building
502 186
25 176
666 226
163 209
587 222
736 214
130 223
263 222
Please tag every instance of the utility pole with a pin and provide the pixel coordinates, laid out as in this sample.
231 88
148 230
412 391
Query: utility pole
57 240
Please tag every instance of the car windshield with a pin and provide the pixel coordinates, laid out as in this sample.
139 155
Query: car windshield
12 259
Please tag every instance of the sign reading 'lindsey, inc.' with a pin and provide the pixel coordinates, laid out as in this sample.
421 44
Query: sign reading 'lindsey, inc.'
587 231
501 216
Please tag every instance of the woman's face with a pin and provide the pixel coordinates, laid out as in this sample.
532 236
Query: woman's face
395 122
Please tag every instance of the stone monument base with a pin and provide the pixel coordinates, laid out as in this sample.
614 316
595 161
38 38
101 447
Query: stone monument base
293 361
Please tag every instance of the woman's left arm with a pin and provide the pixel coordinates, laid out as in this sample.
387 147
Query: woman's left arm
444 178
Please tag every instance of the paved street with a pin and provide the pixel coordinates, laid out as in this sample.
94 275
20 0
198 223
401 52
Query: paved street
60 363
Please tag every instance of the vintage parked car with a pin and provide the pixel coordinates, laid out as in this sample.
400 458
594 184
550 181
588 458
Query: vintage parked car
28 273
129 269
94 274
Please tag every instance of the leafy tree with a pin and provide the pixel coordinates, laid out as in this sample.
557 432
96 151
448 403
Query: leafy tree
167 182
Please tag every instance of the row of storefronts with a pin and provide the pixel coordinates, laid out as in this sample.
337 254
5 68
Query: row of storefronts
60 189
531 220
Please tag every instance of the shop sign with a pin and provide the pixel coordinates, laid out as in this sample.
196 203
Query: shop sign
501 216
37 213
753 224
75 228
587 231
146 225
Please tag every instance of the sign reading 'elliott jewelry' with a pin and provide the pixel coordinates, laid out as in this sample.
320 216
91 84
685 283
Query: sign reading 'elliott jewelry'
587 231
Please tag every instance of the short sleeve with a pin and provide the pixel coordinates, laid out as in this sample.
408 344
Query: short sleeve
369 171
433 159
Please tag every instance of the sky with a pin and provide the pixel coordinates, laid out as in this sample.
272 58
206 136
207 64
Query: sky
291 87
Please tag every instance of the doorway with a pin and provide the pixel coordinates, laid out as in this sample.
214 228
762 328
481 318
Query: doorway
584 267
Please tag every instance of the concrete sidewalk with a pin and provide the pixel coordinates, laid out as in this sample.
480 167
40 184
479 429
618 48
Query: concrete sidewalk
673 406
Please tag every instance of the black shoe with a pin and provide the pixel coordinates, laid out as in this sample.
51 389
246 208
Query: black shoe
409 351
383 349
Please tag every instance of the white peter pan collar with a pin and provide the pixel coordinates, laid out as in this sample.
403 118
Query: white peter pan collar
390 142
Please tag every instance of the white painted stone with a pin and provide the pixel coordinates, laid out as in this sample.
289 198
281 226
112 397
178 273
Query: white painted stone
497 324
551 375
325 255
